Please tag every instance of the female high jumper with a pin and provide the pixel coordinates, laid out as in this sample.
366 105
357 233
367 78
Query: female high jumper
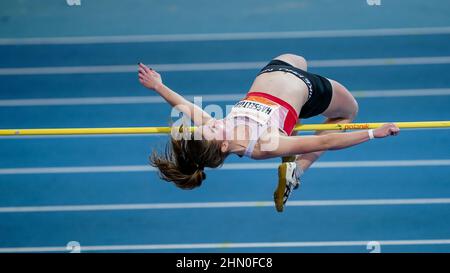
260 126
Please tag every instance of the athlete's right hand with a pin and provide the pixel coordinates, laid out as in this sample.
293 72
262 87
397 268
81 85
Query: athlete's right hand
149 77
388 129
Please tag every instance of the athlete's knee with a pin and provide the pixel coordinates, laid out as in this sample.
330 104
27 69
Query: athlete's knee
295 60
354 108
350 113
351 105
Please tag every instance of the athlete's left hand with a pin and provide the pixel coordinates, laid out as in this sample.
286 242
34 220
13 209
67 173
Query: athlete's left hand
388 129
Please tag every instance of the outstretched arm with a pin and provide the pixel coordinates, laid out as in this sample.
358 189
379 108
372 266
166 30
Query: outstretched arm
293 145
152 80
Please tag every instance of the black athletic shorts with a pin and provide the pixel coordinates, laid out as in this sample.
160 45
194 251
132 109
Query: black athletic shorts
319 88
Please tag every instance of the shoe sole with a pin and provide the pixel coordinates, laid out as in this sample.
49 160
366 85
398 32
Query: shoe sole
278 195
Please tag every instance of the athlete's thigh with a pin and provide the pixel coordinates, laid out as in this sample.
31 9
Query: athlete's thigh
343 104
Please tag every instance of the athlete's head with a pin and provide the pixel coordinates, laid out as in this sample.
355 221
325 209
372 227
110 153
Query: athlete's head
185 158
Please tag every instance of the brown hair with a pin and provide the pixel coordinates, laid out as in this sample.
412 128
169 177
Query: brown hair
184 160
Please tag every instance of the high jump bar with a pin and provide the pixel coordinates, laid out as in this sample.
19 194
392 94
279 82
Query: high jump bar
166 130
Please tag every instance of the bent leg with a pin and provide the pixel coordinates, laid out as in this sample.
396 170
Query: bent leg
343 108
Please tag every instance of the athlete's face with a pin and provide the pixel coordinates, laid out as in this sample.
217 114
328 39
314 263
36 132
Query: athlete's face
214 129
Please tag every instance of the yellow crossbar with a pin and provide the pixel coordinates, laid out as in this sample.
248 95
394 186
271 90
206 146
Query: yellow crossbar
166 130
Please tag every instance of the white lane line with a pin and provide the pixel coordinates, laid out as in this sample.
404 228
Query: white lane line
86 101
225 36
380 61
343 164
219 66
209 205
123 100
206 98
227 245
228 166
402 93
96 169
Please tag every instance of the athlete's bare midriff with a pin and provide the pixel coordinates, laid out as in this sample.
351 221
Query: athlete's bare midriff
284 86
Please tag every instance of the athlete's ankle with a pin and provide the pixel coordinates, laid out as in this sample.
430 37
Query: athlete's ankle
299 170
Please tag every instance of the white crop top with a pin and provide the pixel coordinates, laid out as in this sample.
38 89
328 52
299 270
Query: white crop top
259 114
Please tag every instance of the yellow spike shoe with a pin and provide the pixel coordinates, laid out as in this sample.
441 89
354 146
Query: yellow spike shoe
287 181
